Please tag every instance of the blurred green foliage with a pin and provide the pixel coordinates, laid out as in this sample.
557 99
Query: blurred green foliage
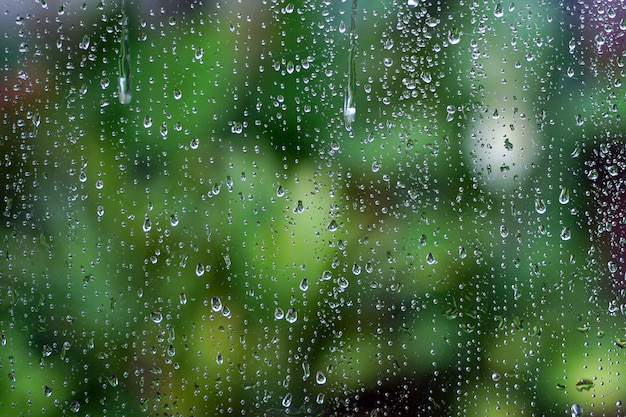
225 244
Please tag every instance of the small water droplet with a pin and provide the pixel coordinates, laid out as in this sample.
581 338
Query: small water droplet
356 269
343 283
147 224
75 406
454 36
320 378
430 259
304 284
332 226
540 206
287 400
200 269
498 11
216 304
174 220
566 234
292 315
47 391
576 410
156 317
326 275
564 196
279 314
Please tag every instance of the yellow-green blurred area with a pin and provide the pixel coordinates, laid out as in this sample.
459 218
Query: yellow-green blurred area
312 208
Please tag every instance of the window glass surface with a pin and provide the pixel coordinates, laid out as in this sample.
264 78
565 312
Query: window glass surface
312 208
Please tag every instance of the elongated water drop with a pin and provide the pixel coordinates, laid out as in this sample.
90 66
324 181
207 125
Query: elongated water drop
349 105
124 85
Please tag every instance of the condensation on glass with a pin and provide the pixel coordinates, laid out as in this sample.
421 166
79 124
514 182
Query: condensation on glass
313 208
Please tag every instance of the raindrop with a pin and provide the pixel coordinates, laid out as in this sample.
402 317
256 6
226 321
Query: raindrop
306 370
564 196
75 406
174 220
292 315
576 410
566 234
287 400
349 103
279 314
147 224
320 378
216 304
454 36
156 317
343 283
356 269
540 206
124 86
304 284
47 391
498 11
326 275
200 269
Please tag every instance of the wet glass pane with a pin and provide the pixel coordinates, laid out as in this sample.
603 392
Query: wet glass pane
312 208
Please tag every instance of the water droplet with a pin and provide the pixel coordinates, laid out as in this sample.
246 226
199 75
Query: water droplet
216 304
47 391
124 85
219 358
174 220
576 410
292 315
156 317
75 406
343 283
299 208
540 206
430 259
332 226
495 376
306 370
147 224
280 191
356 269
613 170
287 400
498 11
113 380
566 234
183 298
195 142
304 284
200 269
46 351
454 36
279 314
320 378
564 196
177 94
412 3
326 275
320 398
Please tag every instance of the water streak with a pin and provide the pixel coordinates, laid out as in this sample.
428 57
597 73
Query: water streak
349 105
124 86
